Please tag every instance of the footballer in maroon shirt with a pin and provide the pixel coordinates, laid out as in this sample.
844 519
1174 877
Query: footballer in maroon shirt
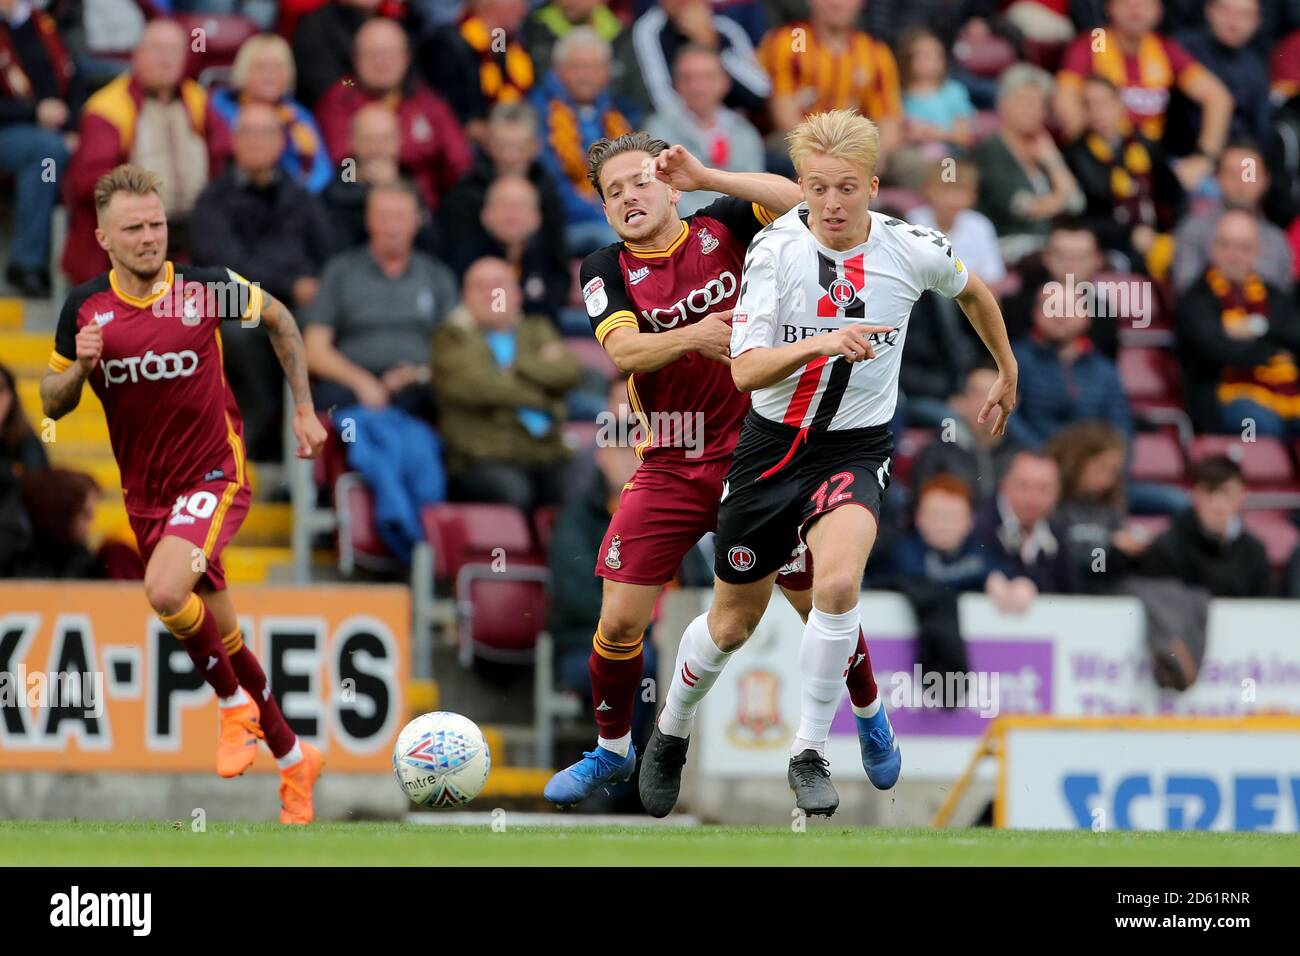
660 303
146 336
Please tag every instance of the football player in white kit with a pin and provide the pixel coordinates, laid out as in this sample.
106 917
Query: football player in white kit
817 338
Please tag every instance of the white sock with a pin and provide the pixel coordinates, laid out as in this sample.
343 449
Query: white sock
868 711
291 758
828 640
237 699
619 746
699 662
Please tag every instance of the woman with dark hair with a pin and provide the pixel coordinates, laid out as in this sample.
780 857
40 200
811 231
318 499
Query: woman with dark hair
1093 507
61 505
20 449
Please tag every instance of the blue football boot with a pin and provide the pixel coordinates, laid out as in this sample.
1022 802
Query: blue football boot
881 758
597 769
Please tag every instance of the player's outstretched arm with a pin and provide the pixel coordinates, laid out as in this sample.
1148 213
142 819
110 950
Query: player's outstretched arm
287 342
61 391
765 366
981 308
634 351
679 168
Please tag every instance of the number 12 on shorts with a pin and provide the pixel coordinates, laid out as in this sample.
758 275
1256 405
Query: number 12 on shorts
839 493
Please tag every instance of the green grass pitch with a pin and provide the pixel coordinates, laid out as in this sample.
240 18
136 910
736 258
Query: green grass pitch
89 843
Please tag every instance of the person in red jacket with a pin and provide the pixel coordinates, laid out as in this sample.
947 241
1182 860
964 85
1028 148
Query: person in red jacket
153 117
435 153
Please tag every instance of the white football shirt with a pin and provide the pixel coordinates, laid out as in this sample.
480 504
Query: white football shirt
793 288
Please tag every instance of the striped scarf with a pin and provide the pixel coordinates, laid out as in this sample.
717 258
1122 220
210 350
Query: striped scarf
504 75
1275 384
564 134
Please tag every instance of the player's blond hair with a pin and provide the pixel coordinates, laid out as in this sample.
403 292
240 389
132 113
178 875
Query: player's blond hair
839 133
127 178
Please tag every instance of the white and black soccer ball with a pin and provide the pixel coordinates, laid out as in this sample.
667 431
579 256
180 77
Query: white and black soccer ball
441 760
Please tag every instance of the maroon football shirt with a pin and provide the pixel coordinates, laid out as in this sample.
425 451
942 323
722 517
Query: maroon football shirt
658 290
172 419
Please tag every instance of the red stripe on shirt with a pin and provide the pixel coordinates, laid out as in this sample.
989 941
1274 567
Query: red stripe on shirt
804 391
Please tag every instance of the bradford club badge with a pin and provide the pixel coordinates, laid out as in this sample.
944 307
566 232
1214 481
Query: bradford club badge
708 242
613 561
758 720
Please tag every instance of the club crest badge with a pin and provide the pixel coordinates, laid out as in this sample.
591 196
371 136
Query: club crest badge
842 292
613 558
708 241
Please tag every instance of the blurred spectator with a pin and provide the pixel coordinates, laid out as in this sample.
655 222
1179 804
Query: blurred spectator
510 228
21 451
575 593
480 61
1223 45
966 448
375 144
551 21
940 548
95 31
256 220
264 73
1243 181
1239 338
1019 535
38 96
662 31
322 45
1207 546
1284 74
511 148
434 152
155 118
827 63
1093 509
1070 258
1063 379
1146 67
378 305
720 137
1133 196
61 505
500 379
937 110
1024 181
1047 21
576 110
951 190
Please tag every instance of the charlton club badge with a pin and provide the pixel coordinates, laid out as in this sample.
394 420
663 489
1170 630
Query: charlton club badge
612 559
842 292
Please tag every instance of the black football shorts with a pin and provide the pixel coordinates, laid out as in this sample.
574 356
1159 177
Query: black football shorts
783 478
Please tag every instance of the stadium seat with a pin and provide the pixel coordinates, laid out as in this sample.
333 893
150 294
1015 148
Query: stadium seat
1157 456
910 445
498 579
1277 532
544 519
1265 462
985 124
1150 377
359 542
986 55
592 355
223 35
1044 53
332 462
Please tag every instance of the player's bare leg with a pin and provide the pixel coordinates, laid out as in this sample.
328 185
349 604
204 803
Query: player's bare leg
174 570
616 666
864 697
300 763
706 646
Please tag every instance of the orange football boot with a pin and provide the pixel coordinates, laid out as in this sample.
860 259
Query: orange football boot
241 729
296 784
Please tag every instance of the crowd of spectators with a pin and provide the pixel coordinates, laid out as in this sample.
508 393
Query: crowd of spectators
411 178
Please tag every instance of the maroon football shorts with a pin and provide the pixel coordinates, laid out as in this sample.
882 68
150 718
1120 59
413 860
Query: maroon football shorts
207 517
662 513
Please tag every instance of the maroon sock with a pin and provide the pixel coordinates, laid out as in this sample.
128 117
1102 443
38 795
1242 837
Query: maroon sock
279 737
196 629
615 676
860 679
